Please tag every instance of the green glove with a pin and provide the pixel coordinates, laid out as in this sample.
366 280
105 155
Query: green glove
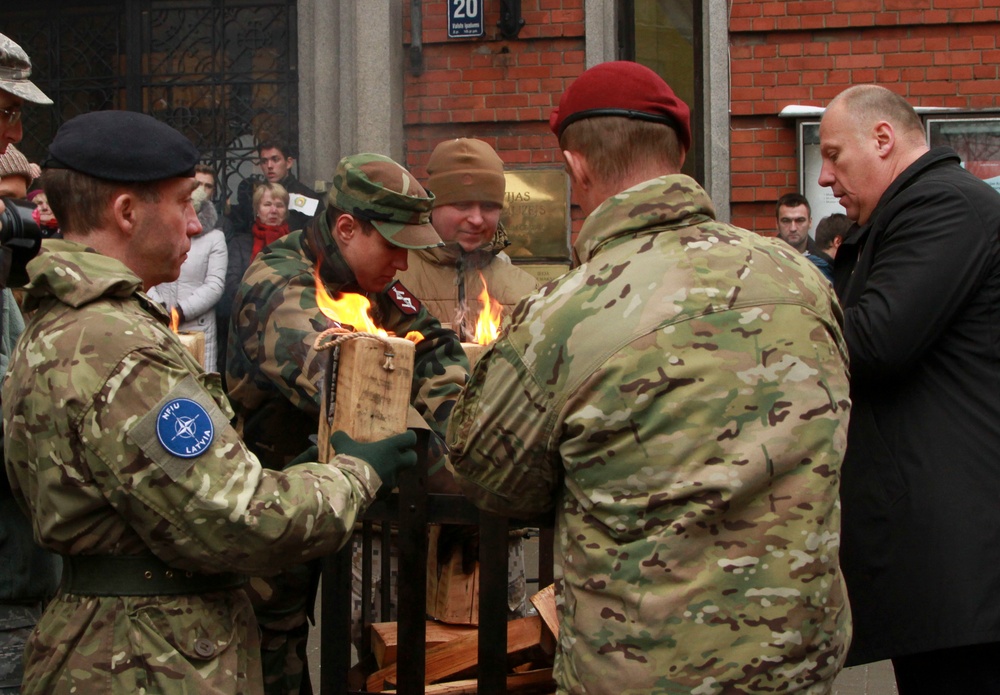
386 456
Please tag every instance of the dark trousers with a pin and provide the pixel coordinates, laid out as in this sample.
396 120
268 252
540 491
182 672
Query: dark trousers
958 671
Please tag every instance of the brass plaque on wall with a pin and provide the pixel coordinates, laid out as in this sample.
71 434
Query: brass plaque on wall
536 215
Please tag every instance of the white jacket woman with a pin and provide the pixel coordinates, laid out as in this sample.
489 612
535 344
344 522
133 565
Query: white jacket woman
202 279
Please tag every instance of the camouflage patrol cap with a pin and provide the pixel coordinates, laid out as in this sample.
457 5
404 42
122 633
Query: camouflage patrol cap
375 188
15 69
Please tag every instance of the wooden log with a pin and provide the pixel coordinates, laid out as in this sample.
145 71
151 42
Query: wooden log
473 351
545 603
462 653
538 680
363 398
385 642
452 595
194 343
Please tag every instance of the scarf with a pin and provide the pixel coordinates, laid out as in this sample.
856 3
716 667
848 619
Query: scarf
48 224
264 234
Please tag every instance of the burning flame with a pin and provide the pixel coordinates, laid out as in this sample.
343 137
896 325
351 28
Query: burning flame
488 324
175 320
353 311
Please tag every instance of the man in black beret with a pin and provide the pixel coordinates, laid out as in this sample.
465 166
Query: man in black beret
120 447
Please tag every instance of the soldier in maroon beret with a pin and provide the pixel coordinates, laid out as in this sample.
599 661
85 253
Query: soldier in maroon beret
679 400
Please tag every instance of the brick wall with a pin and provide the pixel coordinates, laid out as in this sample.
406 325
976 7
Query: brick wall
933 52
490 88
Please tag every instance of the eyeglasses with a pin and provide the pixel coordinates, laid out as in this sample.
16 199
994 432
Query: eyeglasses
12 116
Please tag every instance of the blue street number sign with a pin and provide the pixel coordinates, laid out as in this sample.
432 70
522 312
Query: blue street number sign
465 18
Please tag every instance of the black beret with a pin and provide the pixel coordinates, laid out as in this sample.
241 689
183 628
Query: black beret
122 146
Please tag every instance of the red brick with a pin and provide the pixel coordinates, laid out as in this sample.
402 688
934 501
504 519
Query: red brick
958 57
962 73
858 61
887 75
848 6
936 88
980 87
984 41
904 60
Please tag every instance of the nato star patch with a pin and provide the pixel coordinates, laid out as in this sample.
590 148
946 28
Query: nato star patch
184 428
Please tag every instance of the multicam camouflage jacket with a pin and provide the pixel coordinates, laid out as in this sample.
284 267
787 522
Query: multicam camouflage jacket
681 399
100 456
273 371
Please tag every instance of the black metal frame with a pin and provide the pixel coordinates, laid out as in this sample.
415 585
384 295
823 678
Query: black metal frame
223 72
411 510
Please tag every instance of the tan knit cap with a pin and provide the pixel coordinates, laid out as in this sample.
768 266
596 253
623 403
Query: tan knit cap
13 163
465 170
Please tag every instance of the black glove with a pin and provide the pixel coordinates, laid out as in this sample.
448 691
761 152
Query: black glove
386 456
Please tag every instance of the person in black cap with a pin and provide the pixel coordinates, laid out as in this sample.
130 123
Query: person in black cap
120 447
680 401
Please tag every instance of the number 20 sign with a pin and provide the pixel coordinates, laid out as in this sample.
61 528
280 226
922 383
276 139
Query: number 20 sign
465 18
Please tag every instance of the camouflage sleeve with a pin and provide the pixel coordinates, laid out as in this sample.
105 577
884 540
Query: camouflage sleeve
440 367
503 439
278 329
189 487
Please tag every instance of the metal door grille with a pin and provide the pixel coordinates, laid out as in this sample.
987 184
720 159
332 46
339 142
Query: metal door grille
223 72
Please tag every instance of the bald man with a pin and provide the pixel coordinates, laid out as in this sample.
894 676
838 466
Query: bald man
921 477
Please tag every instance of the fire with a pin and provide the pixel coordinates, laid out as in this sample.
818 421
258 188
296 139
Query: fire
488 324
352 310
175 320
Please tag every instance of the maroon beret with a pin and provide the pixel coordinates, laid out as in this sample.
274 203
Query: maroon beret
622 88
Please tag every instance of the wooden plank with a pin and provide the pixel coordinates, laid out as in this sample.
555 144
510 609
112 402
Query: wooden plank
462 653
385 642
545 603
194 343
517 682
452 595
369 401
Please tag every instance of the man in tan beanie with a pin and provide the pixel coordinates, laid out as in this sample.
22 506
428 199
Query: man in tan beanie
466 178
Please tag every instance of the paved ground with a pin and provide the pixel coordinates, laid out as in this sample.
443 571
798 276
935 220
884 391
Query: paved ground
871 679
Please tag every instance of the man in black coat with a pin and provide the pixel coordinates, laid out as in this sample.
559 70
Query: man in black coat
276 163
919 279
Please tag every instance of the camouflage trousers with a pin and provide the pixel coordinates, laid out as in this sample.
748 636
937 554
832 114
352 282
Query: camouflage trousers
16 623
282 605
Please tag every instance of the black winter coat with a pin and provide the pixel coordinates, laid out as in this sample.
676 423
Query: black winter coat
921 478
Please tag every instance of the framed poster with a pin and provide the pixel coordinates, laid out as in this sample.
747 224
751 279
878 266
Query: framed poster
821 199
977 141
